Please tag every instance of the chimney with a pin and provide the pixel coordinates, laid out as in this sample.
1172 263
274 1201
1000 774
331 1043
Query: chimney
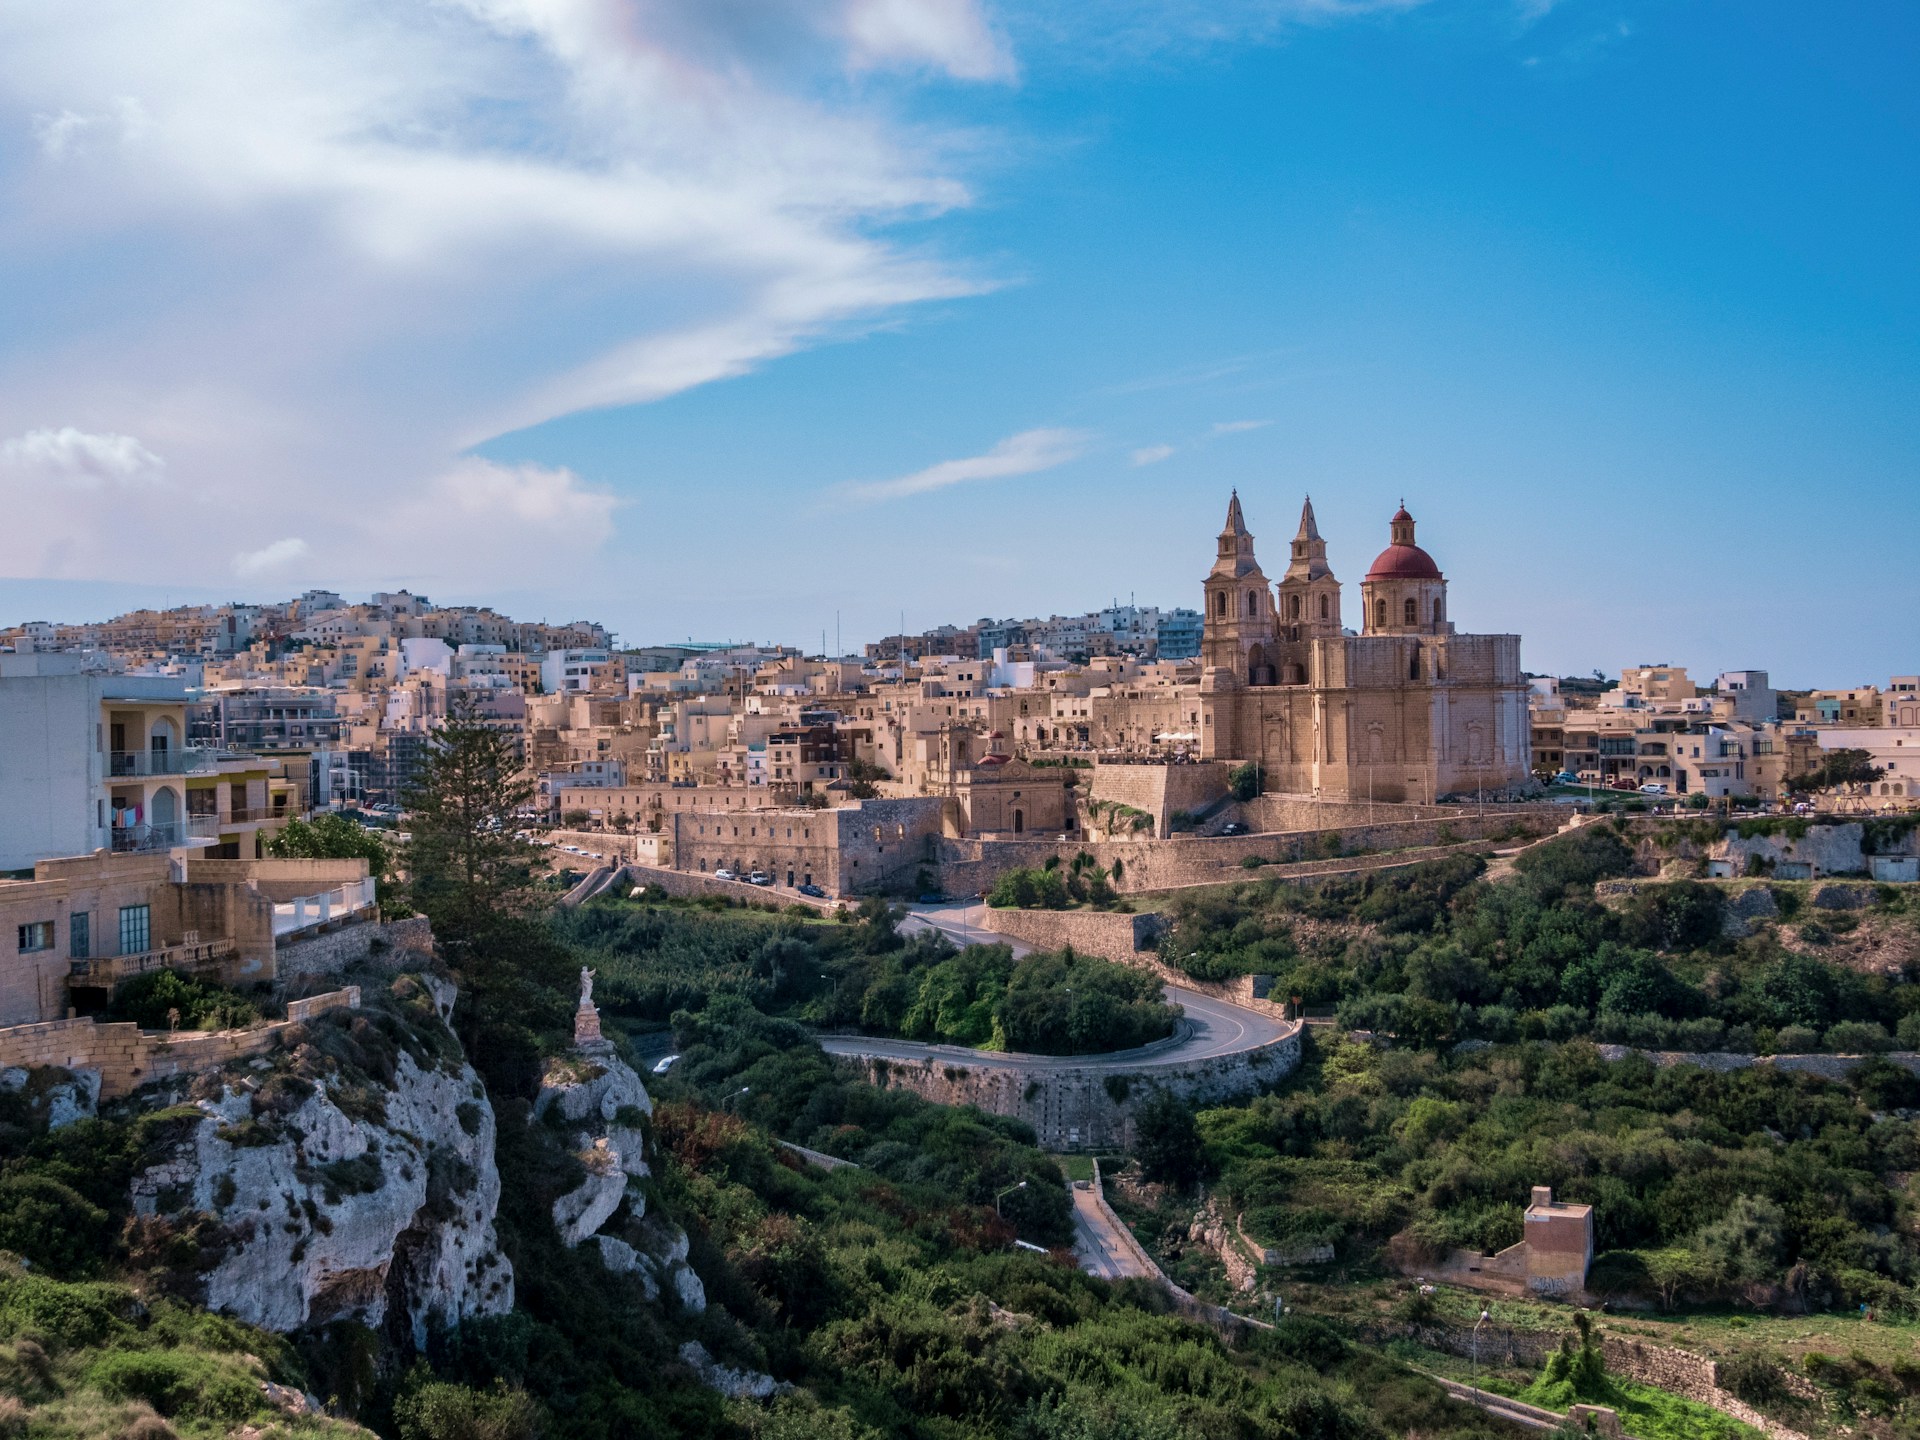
1542 1197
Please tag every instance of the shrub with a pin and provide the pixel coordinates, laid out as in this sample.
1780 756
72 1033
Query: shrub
1856 1037
51 1224
1166 1140
435 1410
179 1383
146 999
1245 781
1756 1377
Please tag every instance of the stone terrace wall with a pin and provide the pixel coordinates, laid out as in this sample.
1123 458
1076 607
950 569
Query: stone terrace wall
691 885
1680 1372
394 945
1827 1067
128 1057
1072 1107
1108 934
970 866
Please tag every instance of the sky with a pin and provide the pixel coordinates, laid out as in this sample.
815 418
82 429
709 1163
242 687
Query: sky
797 320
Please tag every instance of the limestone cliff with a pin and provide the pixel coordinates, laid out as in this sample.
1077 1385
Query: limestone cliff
349 1176
596 1101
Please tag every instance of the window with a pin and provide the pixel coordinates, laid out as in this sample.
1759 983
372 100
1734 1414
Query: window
1439 609
36 936
1325 608
1380 614
136 929
1412 611
1220 604
80 935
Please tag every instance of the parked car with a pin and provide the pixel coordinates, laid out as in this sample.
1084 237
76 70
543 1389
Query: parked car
932 897
724 874
1233 827
1566 777
1653 787
759 877
664 1064
814 890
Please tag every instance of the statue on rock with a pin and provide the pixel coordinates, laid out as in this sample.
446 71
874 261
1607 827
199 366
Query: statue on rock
586 1019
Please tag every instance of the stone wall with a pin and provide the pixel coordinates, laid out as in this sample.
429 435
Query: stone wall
1083 1107
1827 1067
1185 1301
967 867
1161 790
1679 1372
394 945
1108 934
690 885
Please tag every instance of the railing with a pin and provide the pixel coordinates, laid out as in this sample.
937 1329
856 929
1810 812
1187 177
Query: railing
128 763
138 839
188 956
309 911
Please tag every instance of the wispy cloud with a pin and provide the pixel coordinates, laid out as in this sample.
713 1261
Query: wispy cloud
1027 453
1236 427
1150 454
269 557
79 458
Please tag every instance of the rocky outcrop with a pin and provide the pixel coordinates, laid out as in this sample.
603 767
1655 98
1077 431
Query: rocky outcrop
55 1096
317 1190
601 1105
734 1384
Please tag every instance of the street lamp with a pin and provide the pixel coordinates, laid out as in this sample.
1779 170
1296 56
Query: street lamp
735 1096
1485 1315
1003 1195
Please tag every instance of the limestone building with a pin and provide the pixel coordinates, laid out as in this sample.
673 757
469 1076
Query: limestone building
1408 709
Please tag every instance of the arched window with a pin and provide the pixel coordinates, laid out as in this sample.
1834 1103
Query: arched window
1293 607
1326 607
1220 604
1412 611
1380 614
1253 602
1439 609
1413 666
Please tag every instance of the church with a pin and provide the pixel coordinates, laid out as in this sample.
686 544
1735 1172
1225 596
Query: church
1407 709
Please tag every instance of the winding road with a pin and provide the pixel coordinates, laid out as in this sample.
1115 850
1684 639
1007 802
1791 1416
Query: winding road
1210 1029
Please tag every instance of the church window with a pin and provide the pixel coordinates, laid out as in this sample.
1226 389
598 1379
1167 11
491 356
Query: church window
1413 666
1325 607
1253 602
1439 609
1412 611
1220 604
1294 607
1380 613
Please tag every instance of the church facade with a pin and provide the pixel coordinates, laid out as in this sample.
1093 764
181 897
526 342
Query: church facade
1407 709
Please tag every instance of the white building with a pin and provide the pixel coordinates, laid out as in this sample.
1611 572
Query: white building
565 671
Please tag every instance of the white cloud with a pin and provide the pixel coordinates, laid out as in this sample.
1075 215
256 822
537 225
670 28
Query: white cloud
1151 454
950 34
1027 453
269 557
1237 427
82 459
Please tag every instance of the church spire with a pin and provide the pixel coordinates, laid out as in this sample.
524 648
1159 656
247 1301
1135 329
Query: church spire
1235 524
1309 528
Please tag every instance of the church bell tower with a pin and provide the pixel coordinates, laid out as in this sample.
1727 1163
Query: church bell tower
1238 636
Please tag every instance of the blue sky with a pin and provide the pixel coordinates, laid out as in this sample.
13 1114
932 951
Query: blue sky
946 309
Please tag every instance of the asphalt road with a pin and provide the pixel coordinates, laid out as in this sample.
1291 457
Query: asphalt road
1211 1028
1097 1244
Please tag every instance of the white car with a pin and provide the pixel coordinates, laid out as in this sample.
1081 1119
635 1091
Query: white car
725 875
1653 787
759 877
664 1064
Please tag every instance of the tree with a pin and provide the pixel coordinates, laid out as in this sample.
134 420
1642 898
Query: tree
335 837
469 870
1837 768
1166 1140
1245 780
861 775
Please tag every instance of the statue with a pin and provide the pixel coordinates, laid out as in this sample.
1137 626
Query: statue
586 1019
586 987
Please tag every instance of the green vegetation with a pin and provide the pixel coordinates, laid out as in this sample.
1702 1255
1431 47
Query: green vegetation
1750 1187
654 962
1245 781
156 1000
1837 770
1083 882
1433 954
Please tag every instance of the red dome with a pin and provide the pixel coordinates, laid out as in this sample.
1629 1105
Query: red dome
1403 562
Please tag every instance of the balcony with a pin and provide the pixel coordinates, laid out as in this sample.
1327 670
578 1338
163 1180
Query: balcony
135 763
136 839
192 955
309 912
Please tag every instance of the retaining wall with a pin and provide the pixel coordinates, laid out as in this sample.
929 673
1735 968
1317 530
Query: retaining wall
1827 1067
127 1057
967 867
1680 1372
691 885
1072 1107
394 945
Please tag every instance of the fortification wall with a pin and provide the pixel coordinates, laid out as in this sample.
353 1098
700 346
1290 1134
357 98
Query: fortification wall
127 1057
1108 934
691 885
1084 1108
1160 790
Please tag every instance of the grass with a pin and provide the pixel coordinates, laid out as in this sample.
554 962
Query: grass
1078 1167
